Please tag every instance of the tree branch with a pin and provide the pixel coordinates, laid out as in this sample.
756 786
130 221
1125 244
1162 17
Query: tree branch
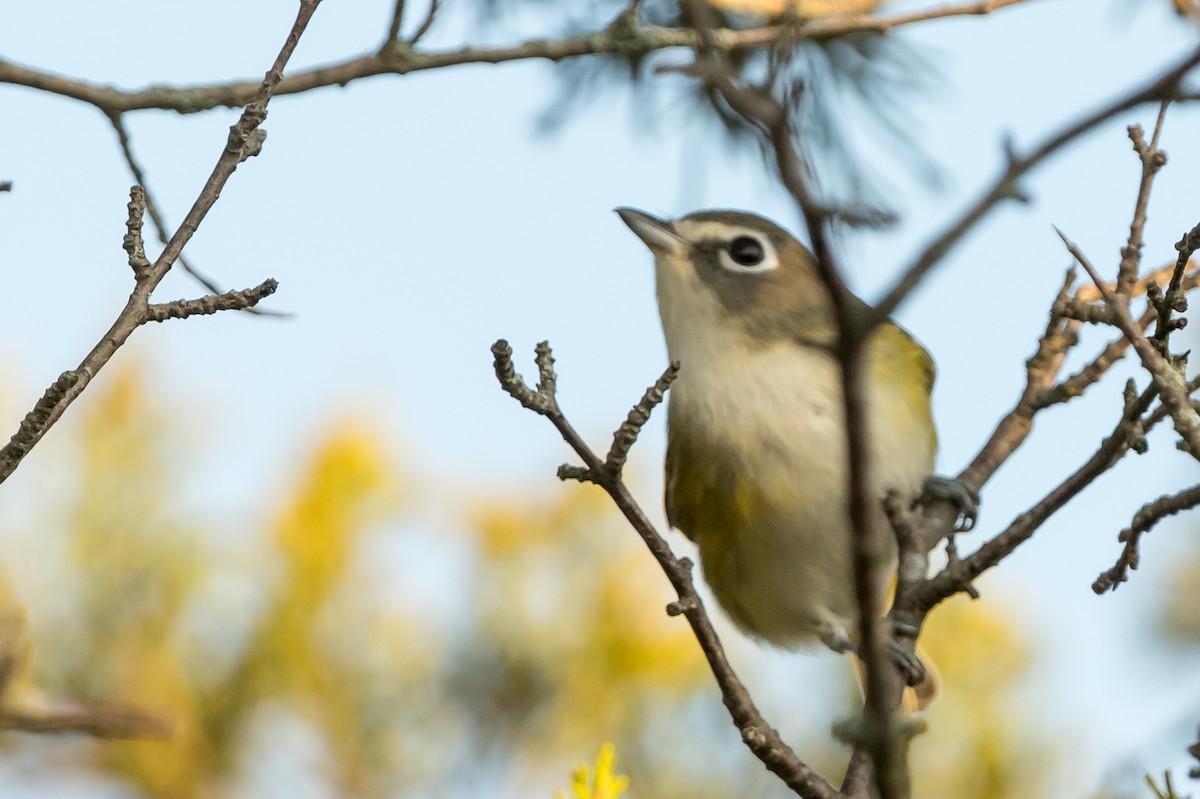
160 223
43 714
245 140
1152 160
97 719
1143 522
397 19
213 303
959 576
1162 88
1166 374
627 38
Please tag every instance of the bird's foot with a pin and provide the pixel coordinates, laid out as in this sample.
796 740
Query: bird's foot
911 667
834 635
964 497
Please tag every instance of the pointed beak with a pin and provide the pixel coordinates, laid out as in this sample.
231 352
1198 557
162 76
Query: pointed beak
657 234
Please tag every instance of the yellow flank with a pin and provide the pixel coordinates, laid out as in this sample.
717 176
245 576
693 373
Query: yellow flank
705 490
736 506
894 360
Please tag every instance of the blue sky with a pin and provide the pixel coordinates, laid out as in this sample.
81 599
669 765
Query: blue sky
412 221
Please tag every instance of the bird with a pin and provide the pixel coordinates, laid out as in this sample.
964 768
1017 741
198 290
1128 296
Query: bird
756 466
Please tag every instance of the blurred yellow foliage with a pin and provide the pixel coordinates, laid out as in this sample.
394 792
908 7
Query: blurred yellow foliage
545 635
139 568
980 744
571 591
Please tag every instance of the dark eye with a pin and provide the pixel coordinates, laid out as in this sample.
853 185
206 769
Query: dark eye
746 251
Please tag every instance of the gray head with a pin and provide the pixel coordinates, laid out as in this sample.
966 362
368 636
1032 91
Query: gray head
733 269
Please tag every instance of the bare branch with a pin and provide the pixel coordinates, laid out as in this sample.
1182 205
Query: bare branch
1074 385
42 714
397 20
1087 296
1167 791
1144 521
628 432
762 739
959 576
1162 88
1167 376
1175 298
1089 313
97 719
624 40
34 425
1040 389
1152 160
426 23
515 385
245 138
133 244
159 221
228 301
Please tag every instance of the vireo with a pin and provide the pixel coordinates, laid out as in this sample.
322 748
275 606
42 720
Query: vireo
756 448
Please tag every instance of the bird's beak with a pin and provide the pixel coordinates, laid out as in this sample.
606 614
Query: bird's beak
658 234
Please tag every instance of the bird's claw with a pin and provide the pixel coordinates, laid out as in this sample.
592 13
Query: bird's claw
963 496
911 667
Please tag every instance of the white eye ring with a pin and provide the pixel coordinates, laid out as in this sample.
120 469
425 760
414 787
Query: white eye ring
747 253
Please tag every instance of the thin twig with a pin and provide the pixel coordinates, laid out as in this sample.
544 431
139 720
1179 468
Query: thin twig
156 217
1152 160
1089 374
1165 792
397 21
134 246
1143 522
226 301
38 713
1174 300
960 576
426 23
1088 295
108 720
627 434
1167 376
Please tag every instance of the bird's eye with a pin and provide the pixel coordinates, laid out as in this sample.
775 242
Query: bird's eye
747 251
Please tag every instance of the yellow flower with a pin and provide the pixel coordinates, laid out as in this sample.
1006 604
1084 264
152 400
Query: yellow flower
606 785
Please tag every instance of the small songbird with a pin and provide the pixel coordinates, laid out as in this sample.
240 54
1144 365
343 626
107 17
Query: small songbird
756 449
